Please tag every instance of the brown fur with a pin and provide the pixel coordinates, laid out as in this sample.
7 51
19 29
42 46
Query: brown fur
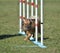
29 27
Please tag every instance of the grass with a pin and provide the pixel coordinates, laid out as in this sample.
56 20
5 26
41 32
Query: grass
11 42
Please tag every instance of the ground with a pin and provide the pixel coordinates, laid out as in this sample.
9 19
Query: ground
11 42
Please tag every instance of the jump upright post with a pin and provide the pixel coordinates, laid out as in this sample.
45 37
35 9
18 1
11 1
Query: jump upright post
26 10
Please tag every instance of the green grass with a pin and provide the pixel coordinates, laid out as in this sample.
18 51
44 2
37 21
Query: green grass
9 25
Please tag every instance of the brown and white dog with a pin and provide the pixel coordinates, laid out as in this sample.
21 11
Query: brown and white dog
29 27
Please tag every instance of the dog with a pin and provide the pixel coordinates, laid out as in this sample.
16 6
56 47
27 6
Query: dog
29 27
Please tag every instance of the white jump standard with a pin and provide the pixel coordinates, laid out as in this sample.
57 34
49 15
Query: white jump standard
24 12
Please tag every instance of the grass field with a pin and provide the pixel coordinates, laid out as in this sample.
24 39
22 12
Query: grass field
11 42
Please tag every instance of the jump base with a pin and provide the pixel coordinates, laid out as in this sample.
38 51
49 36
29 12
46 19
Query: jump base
39 44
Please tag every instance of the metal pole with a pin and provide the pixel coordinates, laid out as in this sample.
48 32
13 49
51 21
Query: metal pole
27 9
36 27
20 14
32 8
41 22
23 9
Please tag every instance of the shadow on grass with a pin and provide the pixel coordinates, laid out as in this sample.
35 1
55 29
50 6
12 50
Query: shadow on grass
4 36
39 38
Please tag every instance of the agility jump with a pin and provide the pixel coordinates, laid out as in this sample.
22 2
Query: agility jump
24 12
